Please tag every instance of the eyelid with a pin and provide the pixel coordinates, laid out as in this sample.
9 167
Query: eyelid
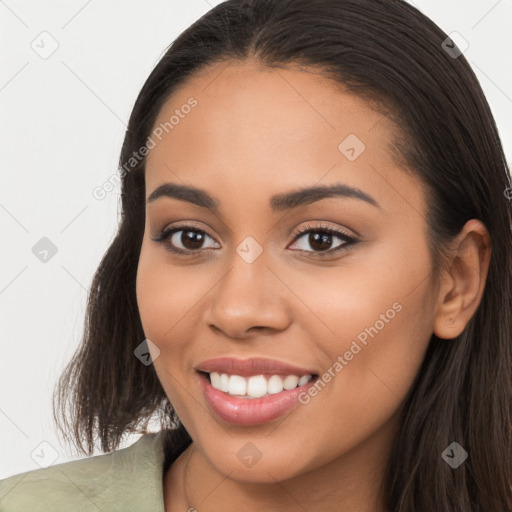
322 226
184 225
349 240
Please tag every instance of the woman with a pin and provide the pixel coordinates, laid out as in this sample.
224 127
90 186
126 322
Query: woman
313 266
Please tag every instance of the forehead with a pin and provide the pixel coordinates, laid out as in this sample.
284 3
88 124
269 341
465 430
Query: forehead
254 127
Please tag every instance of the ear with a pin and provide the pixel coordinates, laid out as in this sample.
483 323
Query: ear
462 284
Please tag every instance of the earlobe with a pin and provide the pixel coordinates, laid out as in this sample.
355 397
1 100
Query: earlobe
463 283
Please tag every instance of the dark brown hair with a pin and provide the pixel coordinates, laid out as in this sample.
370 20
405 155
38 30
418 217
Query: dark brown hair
384 51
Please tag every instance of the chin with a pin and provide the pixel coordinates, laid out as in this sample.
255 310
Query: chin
248 464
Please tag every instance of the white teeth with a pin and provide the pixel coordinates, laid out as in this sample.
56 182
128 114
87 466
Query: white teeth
215 380
290 382
237 385
304 379
255 386
275 384
224 383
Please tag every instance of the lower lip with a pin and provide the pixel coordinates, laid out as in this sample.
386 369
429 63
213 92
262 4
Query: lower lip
251 411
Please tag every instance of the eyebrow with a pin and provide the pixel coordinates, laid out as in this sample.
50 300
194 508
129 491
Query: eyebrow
278 202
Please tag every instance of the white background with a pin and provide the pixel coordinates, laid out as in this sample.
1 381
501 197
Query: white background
62 124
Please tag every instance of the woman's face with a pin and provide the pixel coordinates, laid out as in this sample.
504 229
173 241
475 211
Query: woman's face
359 315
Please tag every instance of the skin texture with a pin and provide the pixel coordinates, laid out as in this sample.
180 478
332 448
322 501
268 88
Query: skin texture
256 132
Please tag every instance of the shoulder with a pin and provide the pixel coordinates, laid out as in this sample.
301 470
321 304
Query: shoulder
124 480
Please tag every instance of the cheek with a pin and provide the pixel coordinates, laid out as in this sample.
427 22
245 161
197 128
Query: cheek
371 364
170 304
385 294
168 297
377 316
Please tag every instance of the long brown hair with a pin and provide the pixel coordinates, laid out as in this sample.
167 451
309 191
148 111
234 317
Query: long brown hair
388 52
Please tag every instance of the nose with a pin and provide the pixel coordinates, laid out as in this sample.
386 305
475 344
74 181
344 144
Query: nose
248 301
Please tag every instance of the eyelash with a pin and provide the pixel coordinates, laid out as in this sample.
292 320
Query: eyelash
350 241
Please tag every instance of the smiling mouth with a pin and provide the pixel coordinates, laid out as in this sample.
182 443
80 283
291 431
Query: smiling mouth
256 386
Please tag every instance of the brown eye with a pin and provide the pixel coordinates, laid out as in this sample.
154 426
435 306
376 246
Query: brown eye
184 240
320 240
189 239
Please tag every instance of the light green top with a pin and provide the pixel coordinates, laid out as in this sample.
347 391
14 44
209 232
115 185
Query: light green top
129 479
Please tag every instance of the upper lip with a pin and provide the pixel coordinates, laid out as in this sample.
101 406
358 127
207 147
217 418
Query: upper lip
253 366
